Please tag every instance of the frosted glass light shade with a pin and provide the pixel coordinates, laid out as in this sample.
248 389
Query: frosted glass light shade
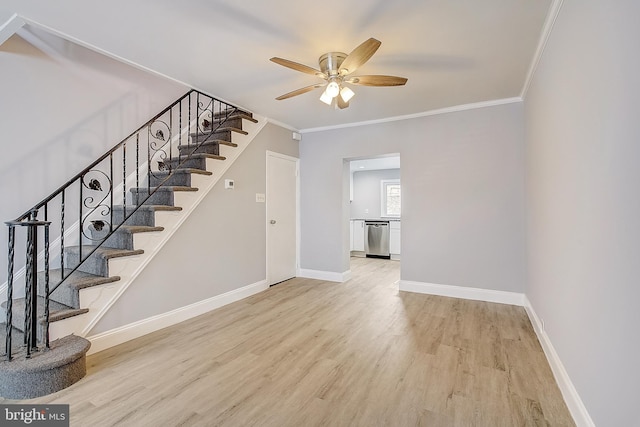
332 89
326 98
346 94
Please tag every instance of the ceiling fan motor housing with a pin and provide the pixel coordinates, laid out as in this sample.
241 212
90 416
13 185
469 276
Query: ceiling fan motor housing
330 63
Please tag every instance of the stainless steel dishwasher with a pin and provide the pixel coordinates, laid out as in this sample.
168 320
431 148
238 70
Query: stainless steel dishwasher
376 239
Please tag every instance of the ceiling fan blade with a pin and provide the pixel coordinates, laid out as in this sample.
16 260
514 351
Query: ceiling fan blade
299 91
377 80
341 103
359 56
298 67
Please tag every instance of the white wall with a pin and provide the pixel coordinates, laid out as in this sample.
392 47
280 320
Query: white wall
463 196
367 192
61 107
220 247
583 147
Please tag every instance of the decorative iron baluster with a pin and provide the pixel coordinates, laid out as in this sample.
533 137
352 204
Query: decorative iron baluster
28 292
180 134
137 170
124 181
46 285
148 160
197 121
111 195
62 275
34 281
9 326
80 228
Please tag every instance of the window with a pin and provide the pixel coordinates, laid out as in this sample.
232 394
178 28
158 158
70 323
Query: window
390 198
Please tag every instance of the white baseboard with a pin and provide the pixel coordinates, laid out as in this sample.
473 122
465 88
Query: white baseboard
569 392
111 338
329 276
477 294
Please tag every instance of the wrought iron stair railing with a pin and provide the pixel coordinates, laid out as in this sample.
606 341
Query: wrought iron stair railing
81 212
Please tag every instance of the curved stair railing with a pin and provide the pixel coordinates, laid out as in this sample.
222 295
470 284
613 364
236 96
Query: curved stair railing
94 204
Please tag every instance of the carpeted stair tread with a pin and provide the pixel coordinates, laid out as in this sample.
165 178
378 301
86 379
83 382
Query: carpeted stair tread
144 214
57 311
76 279
232 112
148 207
244 116
46 371
123 236
237 115
219 130
164 188
68 292
206 156
61 352
106 253
132 229
95 260
187 147
183 171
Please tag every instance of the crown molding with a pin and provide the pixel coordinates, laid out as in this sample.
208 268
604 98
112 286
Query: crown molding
10 27
547 28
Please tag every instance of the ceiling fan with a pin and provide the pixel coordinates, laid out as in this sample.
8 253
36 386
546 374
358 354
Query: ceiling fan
335 70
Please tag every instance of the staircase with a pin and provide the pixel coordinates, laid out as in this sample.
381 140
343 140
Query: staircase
99 230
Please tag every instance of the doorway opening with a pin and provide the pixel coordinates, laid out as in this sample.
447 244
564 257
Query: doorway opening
375 208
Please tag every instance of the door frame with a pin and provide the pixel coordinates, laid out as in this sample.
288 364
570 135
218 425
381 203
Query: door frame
266 210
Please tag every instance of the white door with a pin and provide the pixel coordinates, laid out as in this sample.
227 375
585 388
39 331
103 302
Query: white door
282 200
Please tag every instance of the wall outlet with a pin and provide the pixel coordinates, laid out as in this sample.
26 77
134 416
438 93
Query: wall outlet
366 211
260 198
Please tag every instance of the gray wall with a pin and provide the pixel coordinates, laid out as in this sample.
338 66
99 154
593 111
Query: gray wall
219 248
463 196
61 107
367 192
583 146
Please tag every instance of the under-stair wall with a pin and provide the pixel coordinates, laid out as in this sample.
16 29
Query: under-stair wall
217 255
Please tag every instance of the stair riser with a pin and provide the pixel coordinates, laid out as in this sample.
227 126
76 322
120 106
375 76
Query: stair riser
237 111
197 163
177 179
94 265
224 135
141 217
234 122
63 294
119 239
209 148
158 198
18 322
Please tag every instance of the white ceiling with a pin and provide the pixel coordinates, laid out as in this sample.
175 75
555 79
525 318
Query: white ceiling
453 52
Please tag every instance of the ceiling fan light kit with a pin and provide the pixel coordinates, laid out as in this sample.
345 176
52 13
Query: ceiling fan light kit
334 68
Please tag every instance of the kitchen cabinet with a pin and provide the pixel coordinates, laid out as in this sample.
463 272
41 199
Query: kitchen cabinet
394 237
358 235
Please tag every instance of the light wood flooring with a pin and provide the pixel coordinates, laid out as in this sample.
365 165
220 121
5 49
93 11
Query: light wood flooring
311 353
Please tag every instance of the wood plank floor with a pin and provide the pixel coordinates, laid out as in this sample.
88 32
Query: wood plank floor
312 353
